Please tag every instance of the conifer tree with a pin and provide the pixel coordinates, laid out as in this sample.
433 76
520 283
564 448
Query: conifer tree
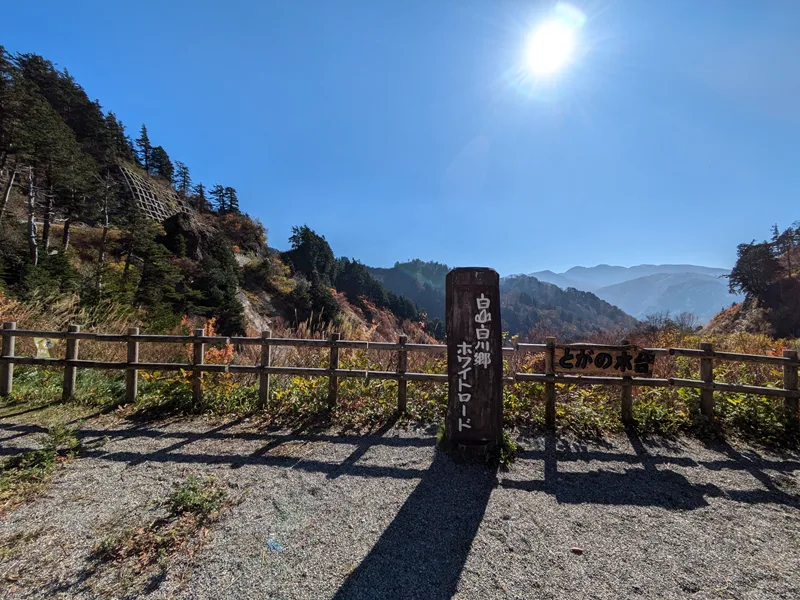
311 255
231 200
200 198
83 116
160 164
145 150
219 198
119 145
183 180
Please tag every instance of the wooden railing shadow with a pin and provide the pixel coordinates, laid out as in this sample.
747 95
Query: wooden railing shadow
650 481
640 485
647 479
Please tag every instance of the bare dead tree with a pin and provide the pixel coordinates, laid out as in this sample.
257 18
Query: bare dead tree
7 192
48 219
101 258
33 245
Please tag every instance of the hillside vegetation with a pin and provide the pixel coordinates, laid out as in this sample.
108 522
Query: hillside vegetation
767 274
73 232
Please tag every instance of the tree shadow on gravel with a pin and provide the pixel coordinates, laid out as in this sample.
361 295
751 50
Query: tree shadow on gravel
423 551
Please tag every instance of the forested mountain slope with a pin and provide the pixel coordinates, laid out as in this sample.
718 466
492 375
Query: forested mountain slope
766 273
88 213
527 302
702 295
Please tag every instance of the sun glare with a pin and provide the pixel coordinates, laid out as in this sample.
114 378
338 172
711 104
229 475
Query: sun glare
552 44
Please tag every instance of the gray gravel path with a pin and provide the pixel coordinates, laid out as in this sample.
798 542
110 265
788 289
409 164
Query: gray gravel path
387 516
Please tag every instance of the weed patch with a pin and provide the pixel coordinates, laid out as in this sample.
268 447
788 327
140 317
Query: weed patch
199 497
25 476
505 454
139 556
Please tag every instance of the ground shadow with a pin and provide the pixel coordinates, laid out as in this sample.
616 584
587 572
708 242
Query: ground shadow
423 551
752 463
644 477
29 409
641 485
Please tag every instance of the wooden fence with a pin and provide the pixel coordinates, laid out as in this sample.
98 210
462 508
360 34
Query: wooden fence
71 363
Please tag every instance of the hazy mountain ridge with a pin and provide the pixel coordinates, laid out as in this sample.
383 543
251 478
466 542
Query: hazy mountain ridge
527 303
600 276
646 289
702 295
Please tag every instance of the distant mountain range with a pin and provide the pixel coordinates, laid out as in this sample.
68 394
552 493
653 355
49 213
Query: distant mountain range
527 303
647 289
603 298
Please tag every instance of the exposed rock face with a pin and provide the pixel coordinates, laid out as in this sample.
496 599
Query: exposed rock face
195 232
254 320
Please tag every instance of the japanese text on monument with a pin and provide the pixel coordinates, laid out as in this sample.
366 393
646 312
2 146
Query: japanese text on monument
471 357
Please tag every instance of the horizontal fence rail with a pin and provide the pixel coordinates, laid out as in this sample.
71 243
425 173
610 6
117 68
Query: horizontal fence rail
789 362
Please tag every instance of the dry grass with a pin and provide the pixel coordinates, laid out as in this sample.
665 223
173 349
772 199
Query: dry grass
55 314
367 402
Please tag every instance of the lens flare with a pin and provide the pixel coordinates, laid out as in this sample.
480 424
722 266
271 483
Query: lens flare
552 44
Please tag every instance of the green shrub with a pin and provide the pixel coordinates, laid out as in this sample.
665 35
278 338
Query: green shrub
200 496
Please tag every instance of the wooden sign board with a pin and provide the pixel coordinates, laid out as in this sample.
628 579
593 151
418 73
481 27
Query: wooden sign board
629 361
474 357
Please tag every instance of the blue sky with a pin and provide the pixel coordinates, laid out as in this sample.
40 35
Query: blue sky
413 130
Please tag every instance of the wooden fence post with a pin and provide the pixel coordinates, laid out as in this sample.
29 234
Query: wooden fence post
402 384
70 371
627 397
7 369
550 386
333 381
198 352
132 374
707 375
263 376
790 383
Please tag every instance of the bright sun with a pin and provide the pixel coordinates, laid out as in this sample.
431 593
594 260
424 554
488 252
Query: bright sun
550 46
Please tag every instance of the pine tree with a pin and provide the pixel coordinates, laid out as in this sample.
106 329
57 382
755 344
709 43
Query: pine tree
9 106
311 255
82 115
13 132
200 198
145 150
755 269
219 198
160 164
49 149
232 200
183 180
119 145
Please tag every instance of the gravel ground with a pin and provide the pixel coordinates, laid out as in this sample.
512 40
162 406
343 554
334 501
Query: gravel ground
387 516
